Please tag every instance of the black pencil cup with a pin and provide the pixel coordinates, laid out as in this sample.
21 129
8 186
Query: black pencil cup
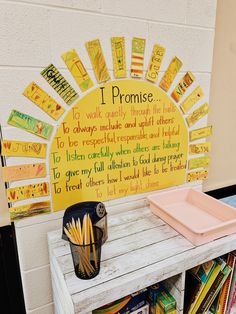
87 258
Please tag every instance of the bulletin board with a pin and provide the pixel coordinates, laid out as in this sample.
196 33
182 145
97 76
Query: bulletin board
126 135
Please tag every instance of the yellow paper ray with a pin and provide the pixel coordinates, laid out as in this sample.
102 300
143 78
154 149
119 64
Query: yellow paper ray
30 124
23 149
22 172
192 99
197 114
44 101
155 63
59 84
198 162
137 58
118 55
183 85
200 148
27 191
77 69
200 133
29 210
98 60
170 74
197 175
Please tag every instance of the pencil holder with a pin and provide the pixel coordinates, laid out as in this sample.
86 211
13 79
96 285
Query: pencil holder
87 257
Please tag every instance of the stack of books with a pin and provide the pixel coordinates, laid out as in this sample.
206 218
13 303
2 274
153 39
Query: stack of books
211 287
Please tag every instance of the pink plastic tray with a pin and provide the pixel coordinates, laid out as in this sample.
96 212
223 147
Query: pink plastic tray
197 216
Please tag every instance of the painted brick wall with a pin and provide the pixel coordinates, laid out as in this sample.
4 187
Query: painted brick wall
34 33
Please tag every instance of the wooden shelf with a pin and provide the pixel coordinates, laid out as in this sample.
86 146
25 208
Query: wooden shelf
141 250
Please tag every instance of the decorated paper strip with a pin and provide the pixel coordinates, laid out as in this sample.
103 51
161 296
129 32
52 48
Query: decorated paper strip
77 69
191 99
155 63
27 191
200 133
118 54
22 172
38 96
137 58
197 114
98 60
197 175
170 74
23 149
183 85
59 84
30 124
29 210
200 148
198 162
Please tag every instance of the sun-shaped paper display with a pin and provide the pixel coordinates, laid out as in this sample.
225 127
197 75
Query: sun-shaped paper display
124 136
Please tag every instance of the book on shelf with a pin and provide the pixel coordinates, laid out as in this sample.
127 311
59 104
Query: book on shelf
232 291
220 264
224 292
214 289
201 273
213 307
192 286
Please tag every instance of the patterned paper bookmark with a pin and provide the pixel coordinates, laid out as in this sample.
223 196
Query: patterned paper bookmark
40 98
22 172
200 148
155 63
77 69
197 175
170 74
191 100
200 133
197 114
30 124
98 61
59 84
183 85
137 58
29 210
27 191
118 54
199 162
23 149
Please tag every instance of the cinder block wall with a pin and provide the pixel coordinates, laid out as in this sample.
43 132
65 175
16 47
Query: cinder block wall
34 33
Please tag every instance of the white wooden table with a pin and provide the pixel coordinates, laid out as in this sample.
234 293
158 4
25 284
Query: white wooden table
141 250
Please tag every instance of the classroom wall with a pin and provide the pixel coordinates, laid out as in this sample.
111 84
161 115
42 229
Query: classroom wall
34 33
222 170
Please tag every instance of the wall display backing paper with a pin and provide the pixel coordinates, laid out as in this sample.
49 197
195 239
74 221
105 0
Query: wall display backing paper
123 137
136 141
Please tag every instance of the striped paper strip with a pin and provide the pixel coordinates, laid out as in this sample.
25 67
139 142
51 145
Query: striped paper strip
59 84
137 58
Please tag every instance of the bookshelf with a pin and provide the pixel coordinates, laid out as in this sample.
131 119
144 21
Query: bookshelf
141 250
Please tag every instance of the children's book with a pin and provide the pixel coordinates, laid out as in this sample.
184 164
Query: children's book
220 264
201 272
224 292
232 291
214 289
